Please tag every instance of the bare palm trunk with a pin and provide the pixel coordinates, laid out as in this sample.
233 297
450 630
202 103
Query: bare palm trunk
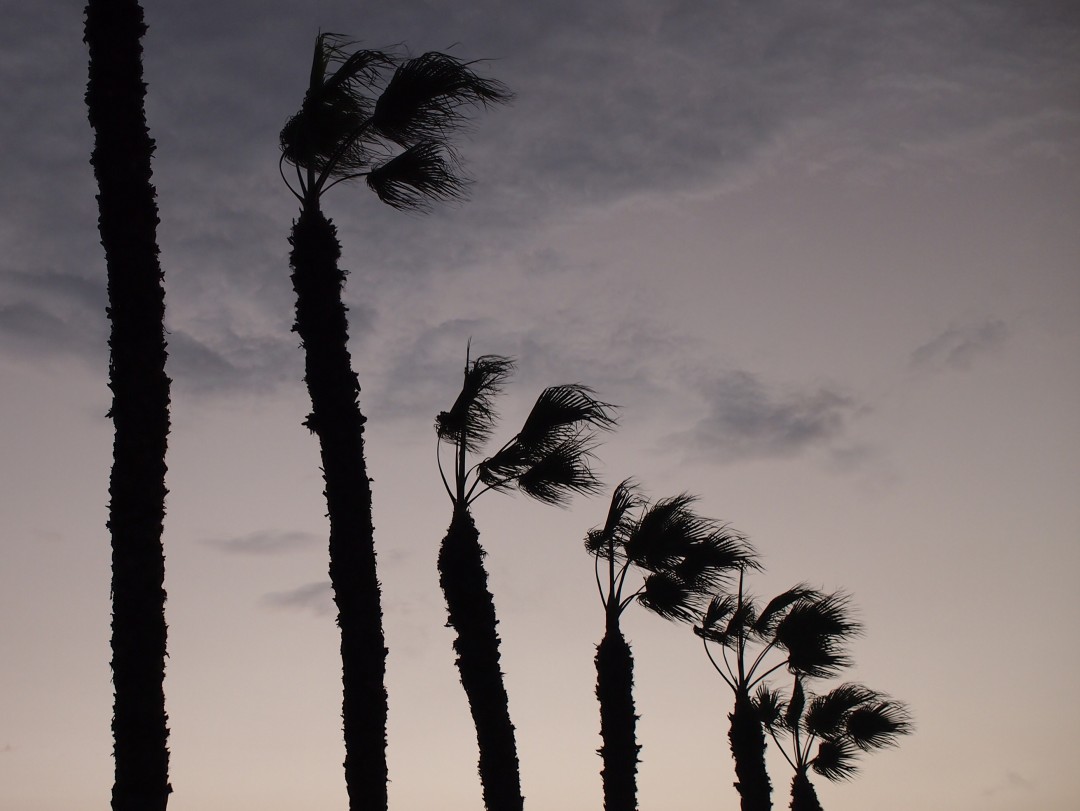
747 738
803 795
335 417
471 611
618 721
127 223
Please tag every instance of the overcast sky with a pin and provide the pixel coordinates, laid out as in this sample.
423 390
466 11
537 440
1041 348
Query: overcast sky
824 256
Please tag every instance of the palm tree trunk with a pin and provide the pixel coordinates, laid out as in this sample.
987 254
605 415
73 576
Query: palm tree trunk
335 417
803 795
471 613
127 223
615 691
747 740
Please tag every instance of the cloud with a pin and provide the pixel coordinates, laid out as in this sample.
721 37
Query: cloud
264 542
1012 782
746 420
315 597
959 347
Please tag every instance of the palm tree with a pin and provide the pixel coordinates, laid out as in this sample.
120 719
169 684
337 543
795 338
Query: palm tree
683 558
845 722
549 460
800 629
127 223
395 138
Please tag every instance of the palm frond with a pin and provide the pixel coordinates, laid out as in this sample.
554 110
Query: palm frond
710 561
624 498
814 633
667 595
771 707
472 416
835 760
665 533
774 611
425 97
324 134
716 619
796 705
827 714
561 472
412 180
878 723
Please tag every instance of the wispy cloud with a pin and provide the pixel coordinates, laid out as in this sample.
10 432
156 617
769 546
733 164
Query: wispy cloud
959 347
264 542
315 597
1012 782
748 420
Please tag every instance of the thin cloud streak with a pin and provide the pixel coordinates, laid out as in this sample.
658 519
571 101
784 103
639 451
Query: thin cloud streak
959 347
314 597
264 542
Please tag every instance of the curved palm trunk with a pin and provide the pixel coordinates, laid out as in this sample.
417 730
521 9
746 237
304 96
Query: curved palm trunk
336 419
803 795
471 613
618 721
127 223
747 740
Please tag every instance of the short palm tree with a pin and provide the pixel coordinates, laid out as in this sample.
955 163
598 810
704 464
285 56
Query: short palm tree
549 460
802 630
682 558
378 116
843 723
128 218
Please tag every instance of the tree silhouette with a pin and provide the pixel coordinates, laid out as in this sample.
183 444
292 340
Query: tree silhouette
800 629
127 223
683 558
549 460
385 118
845 722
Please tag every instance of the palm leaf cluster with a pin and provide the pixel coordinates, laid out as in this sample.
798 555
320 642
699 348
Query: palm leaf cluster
682 556
803 629
549 458
384 116
845 722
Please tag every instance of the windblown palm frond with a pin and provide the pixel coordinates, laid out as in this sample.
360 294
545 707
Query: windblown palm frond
711 560
776 609
835 760
414 179
827 714
669 596
666 533
878 723
717 621
814 632
562 471
424 98
472 417
771 705
608 540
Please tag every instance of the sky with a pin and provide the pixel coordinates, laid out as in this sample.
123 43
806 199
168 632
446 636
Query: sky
823 256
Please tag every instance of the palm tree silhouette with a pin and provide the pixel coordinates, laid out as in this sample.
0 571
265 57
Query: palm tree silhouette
127 222
683 558
845 722
549 460
385 118
801 629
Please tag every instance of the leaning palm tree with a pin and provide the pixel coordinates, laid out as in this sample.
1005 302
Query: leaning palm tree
549 460
802 630
682 558
378 116
127 221
844 722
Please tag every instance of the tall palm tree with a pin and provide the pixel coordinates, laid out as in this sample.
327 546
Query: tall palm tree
802 630
683 558
549 460
379 116
844 722
127 222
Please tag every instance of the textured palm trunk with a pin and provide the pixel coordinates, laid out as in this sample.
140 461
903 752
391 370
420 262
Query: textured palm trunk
747 738
618 721
803 795
336 419
471 613
127 223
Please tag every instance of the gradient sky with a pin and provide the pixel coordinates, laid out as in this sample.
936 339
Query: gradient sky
825 257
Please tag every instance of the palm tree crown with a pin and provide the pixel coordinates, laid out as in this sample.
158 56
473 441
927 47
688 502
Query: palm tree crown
549 459
385 117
